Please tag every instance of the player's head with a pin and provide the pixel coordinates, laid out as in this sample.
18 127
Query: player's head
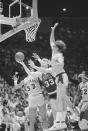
84 72
60 45
45 62
83 76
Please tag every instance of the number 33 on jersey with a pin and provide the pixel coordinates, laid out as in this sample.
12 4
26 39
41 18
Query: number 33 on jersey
49 82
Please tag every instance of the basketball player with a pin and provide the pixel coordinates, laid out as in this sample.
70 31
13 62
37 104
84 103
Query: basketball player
35 96
83 105
1 112
61 78
50 118
48 82
83 86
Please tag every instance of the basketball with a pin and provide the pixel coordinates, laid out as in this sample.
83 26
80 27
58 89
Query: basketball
19 56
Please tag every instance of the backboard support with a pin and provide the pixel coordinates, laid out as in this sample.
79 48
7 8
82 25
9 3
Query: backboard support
12 4
1 10
18 23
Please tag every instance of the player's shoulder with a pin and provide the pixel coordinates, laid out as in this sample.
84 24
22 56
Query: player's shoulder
87 83
59 54
80 85
37 73
47 75
27 78
64 74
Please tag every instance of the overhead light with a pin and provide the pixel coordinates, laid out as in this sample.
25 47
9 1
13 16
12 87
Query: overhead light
64 9
27 7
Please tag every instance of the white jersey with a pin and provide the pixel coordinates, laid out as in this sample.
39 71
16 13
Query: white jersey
32 84
1 114
57 63
58 58
84 88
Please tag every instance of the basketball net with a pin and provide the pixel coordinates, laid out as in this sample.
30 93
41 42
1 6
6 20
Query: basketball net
31 30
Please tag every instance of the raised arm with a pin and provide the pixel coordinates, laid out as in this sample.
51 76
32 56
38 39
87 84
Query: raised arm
52 37
15 78
36 56
17 86
40 60
40 69
25 68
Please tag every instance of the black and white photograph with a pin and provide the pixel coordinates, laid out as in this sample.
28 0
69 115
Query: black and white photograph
43 65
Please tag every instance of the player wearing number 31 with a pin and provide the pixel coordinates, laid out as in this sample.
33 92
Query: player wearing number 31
35 96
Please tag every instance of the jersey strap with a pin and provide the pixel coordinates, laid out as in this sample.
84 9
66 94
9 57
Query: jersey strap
60 79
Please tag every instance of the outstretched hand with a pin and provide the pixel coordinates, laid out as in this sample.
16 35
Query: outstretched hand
53 28
36 56
15 77
31 63
20 62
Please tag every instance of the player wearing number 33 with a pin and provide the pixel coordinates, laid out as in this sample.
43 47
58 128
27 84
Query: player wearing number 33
83 86
48 81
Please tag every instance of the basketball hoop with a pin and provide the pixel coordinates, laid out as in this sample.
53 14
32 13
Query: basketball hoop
29 23
31 30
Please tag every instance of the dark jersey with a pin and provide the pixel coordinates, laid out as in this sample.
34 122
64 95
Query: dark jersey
49 82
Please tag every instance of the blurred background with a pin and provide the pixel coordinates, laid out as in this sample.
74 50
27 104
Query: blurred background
72 17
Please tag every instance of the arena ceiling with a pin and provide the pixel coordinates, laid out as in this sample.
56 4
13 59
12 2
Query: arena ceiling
69 8
74 8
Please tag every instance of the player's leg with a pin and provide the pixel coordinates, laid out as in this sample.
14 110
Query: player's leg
42 109
42 112
32 116
53 104
61 108
32 112
63 101
59 113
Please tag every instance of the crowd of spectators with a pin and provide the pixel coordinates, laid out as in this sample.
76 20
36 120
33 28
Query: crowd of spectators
75 37
76 57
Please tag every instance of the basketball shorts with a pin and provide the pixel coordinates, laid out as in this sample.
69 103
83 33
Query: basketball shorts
36 100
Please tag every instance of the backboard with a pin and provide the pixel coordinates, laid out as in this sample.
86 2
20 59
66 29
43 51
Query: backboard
29 23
